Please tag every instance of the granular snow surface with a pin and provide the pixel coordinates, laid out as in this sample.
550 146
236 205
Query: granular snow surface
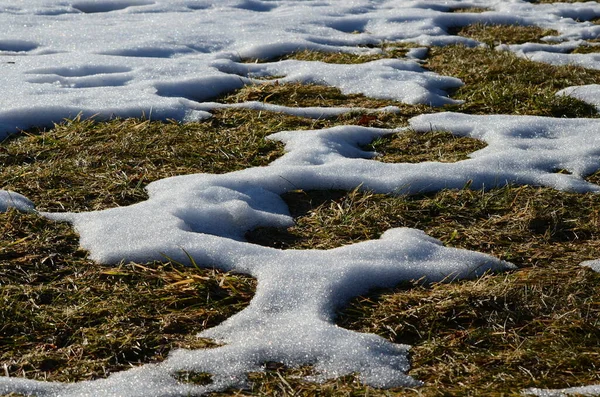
172 59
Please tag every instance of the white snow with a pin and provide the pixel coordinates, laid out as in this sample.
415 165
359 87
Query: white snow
15 200
592 264
151 58
588 93
593 390
171 59
308 112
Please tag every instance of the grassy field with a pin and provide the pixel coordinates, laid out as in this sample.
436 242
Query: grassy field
65 318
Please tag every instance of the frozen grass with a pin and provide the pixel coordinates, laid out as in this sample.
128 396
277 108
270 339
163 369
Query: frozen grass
63 317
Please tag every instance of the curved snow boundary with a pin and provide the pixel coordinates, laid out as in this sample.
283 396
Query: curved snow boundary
15 200
290 319
593 390
112 58
589 93
307 112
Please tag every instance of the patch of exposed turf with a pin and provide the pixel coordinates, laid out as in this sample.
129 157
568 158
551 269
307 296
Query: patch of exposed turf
493 35
493 336
84 165
337 57
474 10
65 318
511 223
412 147
385 50
301 95
586 49
501 83
536 327
311 95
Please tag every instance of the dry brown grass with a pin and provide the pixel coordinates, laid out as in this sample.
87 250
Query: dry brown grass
65 318
501 83
493 35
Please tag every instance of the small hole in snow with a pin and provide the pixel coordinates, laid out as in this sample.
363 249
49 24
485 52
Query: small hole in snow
273 366
197 378
562 171
414 147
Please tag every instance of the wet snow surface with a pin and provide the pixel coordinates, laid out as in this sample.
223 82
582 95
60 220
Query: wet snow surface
171 59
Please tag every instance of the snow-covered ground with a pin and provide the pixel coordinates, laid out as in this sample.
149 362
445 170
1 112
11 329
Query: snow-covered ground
170 59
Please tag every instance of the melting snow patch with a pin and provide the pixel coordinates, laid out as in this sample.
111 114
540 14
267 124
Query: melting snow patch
308 112
402 80
10 199
588 93
593 390
124 35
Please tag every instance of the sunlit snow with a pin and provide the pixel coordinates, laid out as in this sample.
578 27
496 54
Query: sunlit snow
171 59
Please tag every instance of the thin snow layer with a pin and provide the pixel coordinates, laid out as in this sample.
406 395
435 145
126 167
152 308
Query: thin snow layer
593 390
525 149
107 58
312 112
15 200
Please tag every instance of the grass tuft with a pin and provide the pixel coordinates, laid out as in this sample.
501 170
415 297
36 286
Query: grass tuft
494 35
501 83
412 147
